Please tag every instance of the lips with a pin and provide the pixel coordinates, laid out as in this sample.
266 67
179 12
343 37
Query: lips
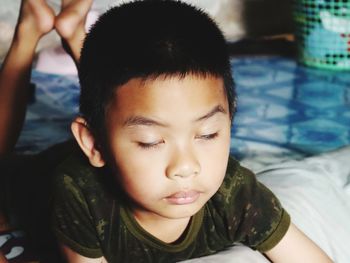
183 197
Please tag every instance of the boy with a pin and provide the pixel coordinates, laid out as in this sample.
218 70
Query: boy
152 180
155 183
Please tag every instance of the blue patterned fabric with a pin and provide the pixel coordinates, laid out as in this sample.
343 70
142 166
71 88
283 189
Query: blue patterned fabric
288 111
284 110
49 115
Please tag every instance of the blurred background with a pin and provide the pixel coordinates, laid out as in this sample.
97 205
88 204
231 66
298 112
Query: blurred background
237 18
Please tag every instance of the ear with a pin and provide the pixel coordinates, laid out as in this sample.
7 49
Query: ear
86 142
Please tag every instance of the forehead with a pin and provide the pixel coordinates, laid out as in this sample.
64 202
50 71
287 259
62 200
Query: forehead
168 96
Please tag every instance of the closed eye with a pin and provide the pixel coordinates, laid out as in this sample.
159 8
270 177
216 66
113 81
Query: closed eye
151 145
208 136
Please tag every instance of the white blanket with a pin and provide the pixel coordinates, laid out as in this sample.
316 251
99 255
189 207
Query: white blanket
316 193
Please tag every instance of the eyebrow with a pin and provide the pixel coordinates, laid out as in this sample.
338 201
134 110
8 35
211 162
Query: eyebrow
144 121
215 110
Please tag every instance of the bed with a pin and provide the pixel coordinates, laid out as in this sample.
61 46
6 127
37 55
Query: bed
291 128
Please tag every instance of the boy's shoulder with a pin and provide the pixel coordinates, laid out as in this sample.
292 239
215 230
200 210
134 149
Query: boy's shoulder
82 207
75 164
76 174
257 218
235 189
236 175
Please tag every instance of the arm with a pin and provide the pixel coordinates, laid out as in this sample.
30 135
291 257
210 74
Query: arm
296 247
73 257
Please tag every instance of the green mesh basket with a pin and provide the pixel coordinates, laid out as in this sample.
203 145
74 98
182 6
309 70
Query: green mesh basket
322 30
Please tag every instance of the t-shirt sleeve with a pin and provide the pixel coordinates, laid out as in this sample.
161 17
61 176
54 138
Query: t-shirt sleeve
71 219
253 214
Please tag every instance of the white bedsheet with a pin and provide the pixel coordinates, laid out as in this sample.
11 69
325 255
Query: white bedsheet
316 193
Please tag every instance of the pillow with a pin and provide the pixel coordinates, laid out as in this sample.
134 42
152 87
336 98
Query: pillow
315 191
235 254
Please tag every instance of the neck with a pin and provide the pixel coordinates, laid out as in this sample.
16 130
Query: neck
164 229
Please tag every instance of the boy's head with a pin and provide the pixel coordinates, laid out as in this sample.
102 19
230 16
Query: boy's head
156 104
148 39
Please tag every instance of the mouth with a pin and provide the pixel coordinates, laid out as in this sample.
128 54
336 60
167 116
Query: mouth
183 197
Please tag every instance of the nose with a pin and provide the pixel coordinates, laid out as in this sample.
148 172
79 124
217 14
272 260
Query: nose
183 164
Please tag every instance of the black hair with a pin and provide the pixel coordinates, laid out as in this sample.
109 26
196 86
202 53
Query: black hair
148 39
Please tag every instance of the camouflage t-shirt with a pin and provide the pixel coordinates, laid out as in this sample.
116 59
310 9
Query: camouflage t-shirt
93 221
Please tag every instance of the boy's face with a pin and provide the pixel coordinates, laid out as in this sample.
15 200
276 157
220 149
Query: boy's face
169 139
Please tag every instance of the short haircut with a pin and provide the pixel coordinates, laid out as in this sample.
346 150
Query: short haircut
148 39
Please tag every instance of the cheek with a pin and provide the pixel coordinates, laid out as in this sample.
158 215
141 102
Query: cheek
214 162
134 178
136 170
220 149
219 155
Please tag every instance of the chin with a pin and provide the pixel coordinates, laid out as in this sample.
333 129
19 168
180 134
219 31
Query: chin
184 211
